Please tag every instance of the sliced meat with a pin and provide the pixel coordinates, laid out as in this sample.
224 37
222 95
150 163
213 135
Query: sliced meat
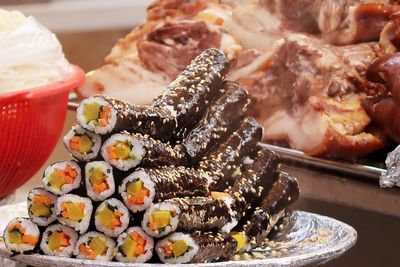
311 95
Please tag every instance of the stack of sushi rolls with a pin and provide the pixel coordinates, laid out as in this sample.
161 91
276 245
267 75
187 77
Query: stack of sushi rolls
184 178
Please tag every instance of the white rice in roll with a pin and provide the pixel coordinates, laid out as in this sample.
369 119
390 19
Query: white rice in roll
134 246
62 177
41 206
111 217
99 180
58 240
92 123
123 151
21 235
133 199
187 256
160 219
82 144
95 246
74 211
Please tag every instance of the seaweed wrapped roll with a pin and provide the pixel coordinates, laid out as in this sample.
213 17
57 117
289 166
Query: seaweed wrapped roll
62 177
99 180
284 192
21 235
134 246
111 217
195 247
74 211
254 182
218 121
106 115
41 206
58 240
188 95
82 144
223 162
146 186
189 214
95 246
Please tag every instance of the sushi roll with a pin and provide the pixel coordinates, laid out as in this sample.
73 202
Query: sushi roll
146 186
105 115
195 247
189 214
161 219
62 177
187 97
82 144
74 211
223 162
58 240
99 180
220 118
111 217
41 206
284 192
95 246
21 235
125 151
134 246
254 182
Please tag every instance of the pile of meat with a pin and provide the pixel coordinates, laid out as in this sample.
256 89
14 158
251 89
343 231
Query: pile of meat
321 73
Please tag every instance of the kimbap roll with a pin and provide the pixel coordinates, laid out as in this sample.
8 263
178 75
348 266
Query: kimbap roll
217 123
195 247
41 206
146 186
105 115
82 144
188 95
99 180
254 182
58 240
161 219
134 246
74 211
111 217
222 163
21 235
189 214
95 246
62 177
125 151
284 192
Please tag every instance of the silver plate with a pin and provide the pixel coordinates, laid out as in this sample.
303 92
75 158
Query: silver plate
306 239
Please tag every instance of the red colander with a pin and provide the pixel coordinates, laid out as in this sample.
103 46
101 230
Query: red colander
31 122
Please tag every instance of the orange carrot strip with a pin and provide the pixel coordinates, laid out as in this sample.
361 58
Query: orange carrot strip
140 250
32 240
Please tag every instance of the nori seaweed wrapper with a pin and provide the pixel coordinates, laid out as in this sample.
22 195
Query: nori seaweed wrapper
223 162
156 122
254 182
202 213
172 182
159 153
213 246
188 96
284 192
218 121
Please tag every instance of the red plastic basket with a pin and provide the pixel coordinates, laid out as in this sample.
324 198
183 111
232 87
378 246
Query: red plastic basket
31 122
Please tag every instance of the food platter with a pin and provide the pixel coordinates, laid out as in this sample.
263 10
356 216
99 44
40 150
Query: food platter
307 239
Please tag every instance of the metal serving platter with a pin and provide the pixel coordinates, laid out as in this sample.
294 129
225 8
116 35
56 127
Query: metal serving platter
305 239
